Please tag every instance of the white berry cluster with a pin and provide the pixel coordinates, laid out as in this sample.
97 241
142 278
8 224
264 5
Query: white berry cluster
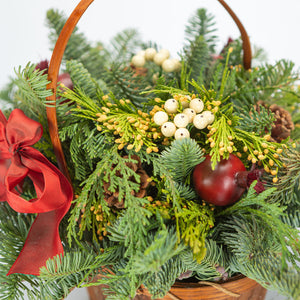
161 58
192 113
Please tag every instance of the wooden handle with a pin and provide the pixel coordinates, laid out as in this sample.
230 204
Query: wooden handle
55 62
245 38
53 71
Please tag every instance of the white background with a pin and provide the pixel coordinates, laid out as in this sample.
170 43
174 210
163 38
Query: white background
271 24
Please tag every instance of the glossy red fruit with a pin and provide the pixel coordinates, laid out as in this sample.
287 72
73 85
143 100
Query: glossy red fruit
219 186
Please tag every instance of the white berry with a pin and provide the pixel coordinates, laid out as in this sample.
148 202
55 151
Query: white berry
165 52
141 53
150 53
169 65
138 61
197 105
210 117
159 58
160 118
181 120
171 106
190 113
200 121
181 133
168 129
177 64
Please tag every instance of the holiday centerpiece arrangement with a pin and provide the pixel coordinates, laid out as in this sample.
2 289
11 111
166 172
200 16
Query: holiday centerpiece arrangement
136 170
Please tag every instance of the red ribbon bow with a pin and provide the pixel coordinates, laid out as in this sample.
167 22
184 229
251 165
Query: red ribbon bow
54 192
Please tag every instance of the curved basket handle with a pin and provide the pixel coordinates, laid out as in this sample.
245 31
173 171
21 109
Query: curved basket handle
53 71
245 38
55 62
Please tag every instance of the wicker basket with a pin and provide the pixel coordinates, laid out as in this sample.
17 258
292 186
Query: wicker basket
238 287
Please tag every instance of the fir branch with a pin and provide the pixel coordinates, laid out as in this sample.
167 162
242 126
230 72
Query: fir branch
31 93
94 58
81 78
256 206
208 268
181 158
257 254
74 269
162 246
160 282
124 44
254 121
125 83
287 190
14 228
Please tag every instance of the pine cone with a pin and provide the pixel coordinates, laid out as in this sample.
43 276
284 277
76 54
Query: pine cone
112 197
283 124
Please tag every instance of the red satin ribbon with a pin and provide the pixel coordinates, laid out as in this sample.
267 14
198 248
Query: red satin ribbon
54 192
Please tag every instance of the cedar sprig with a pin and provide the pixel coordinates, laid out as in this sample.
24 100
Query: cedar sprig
131 127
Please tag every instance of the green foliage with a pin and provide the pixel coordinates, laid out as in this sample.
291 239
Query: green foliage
256 121
287 192
194 222
181 158
201 43
81 78
124 44
257 255
13 231
267 216
78 48
125 83
267 83
170 232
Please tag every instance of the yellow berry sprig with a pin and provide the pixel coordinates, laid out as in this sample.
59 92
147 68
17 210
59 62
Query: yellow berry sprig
261 151
132 128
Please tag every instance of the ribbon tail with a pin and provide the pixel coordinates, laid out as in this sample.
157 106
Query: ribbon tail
42 243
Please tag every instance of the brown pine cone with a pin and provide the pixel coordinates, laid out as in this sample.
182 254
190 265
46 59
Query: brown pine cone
283 124
112 197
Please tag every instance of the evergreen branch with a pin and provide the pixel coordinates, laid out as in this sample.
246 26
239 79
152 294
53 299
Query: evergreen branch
94 58
74 269
14 228
287 190
32 93
255 206
81 78
194 221
181 158
124 44
161 248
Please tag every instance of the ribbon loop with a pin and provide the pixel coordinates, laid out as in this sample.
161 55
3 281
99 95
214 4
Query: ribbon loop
54 192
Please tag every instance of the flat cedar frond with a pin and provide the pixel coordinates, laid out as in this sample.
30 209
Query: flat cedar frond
193 224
